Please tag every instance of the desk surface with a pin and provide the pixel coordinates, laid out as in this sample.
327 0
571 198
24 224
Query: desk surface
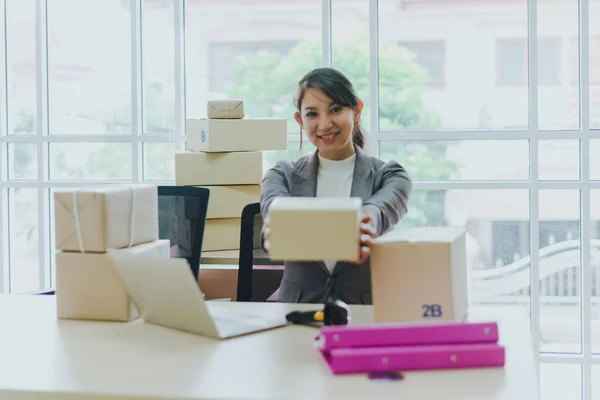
45 358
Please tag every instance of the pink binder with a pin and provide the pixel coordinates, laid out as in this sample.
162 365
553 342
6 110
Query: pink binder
407 334
412 358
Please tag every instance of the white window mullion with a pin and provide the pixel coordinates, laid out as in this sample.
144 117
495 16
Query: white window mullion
179 78
534 176
585 237
4 275
373 135
41 63
326 26
137 126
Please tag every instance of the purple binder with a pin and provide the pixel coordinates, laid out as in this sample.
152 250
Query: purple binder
412 358
407 334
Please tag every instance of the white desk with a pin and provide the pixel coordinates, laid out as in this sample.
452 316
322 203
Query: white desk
42 358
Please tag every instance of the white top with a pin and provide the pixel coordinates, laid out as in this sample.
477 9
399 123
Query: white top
334 179
43 358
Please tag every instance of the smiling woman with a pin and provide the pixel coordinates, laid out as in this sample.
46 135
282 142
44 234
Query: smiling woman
329 110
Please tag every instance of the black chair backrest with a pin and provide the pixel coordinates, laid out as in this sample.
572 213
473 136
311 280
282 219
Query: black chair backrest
248 241
181 219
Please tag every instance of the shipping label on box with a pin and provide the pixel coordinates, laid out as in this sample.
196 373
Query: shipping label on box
195 168
419 274
88 286
224 202
315 229
98 219
226 135
225 109
222 234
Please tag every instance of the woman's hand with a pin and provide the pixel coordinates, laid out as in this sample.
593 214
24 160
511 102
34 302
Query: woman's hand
267 235
367 234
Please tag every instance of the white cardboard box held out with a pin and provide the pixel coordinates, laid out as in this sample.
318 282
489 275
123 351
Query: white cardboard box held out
247 134
419 274
315 229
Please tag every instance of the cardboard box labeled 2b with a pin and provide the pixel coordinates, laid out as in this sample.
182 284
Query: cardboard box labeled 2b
419 274
225 135
106 217
88 286
195 168
315 229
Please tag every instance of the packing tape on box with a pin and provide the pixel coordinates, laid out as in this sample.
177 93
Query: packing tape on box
78 222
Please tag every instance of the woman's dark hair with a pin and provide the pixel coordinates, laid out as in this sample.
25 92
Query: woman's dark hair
338 88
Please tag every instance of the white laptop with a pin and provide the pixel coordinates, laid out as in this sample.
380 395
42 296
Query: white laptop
166 293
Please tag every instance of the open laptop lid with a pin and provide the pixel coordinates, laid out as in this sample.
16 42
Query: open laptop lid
165 292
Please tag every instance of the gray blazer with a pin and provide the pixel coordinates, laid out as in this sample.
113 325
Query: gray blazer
385 189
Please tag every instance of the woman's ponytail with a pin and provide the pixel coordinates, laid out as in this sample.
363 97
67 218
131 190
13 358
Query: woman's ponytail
358 136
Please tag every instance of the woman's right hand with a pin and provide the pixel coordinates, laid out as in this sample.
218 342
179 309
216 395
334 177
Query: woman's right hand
267 235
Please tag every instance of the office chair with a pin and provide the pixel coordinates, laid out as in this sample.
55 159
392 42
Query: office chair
251 252
181 219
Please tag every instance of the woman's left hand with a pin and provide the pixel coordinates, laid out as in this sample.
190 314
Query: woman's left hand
367 234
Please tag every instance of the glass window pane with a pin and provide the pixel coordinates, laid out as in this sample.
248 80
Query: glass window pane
460 159
21 76
594 159
561 382
595 268
90 161
466 70
594 67
159 161
560 266
23 235
350 47
559 159
89 66
497 226
158 55
260 61
22 161
558 75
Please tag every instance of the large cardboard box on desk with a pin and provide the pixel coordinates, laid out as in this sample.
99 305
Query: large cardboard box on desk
313 229
101 218
224 202
225 135
196 168
89 287
420 274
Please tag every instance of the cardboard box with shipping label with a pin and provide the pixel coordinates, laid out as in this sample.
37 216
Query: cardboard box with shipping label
315 229
419 274
98 219
227 135
89 287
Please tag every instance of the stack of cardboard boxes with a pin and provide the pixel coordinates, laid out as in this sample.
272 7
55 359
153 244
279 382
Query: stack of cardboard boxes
90 223
224 153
